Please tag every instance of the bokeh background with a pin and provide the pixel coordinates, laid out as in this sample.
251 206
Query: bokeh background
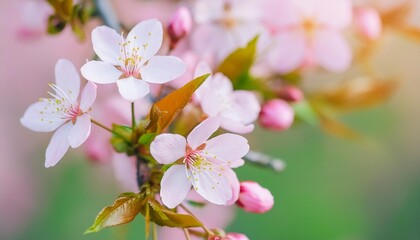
332 189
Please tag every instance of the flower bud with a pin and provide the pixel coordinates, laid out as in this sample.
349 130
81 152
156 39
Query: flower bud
276 115
236 236
254 198
368 22
291 94
180 24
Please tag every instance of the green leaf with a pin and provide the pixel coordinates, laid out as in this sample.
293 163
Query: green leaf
124 210
165 110
236 66
306 113
147 138
121 139
162 216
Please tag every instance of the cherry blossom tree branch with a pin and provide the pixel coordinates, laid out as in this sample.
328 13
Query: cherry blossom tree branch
107 14
264 160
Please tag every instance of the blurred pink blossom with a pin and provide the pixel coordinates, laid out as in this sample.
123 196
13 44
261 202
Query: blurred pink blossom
33 19
311 33
368 22
254 198
276 115
224 25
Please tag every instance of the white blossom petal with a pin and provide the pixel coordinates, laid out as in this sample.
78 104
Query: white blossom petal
88 96
100 72
106 44
202 132
227 147
132 88
67 78
211 183
167 148
174 186
147 36
38 118
162 69
235 126
80 131
58 145
235 185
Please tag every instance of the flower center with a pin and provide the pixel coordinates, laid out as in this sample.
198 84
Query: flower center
309 26
60 105
130 58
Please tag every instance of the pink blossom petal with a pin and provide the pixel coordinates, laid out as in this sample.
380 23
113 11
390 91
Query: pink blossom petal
245 107
125 171
167 148
208 11
58 145
227 147
132 88
202 68
235 185
202 132
88 96
100 72
236 127
174 186
335 14
106 44
147 36
67 78
211 183
290 16
288 52
37 119
80 131
162 69
237 163
332 51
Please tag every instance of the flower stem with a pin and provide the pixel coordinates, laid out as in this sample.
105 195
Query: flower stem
108 129
155 232
208 231
187 234
133 117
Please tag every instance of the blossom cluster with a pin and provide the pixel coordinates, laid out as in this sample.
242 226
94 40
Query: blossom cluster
188 92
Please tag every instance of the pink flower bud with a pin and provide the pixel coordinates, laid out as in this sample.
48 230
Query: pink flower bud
254 198
291 94
180 24
368 22
236 236
276 115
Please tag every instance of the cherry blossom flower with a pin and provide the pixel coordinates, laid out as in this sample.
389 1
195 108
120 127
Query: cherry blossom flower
237 110
62 112
224 25
199 162
254 198
131 62
309 33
